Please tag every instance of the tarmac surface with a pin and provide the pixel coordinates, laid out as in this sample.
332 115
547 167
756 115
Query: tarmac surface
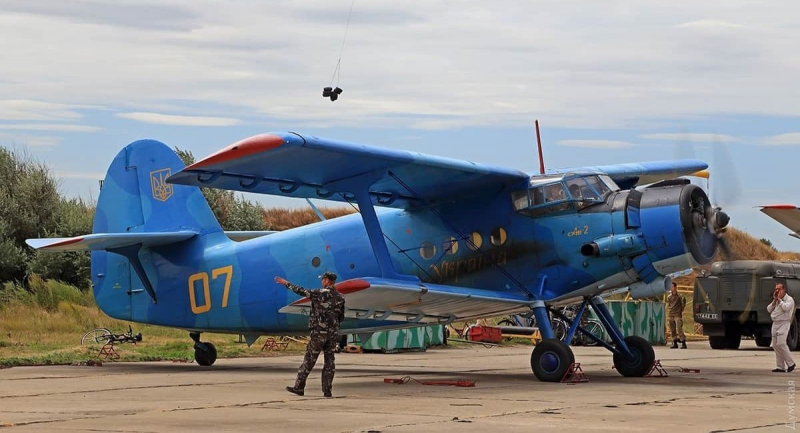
734 391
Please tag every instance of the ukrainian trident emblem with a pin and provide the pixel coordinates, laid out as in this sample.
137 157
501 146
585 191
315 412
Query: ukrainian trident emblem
162 190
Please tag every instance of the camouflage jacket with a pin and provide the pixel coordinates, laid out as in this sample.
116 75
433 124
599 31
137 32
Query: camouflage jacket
676 304
327 308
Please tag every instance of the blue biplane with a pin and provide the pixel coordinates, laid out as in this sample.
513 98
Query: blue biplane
453 241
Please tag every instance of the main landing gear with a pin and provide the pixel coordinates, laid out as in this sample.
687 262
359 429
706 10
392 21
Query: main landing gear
204 353
552 358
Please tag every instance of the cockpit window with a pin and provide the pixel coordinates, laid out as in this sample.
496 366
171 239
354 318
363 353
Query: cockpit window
557 193
520 199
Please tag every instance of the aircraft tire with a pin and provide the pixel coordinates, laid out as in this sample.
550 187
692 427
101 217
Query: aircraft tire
551 359
205 354
643 358
733 341
716 342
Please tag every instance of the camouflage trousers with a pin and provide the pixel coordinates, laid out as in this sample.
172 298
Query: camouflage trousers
325 343
676 328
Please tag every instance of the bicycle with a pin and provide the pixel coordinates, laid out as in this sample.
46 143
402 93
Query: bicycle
105 336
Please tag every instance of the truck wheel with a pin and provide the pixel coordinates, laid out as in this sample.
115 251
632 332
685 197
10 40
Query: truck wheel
763 341
792 339
716 342
733 340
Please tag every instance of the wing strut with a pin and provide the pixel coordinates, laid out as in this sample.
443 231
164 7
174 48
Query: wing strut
360 191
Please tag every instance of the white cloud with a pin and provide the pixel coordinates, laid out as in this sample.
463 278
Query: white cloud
789 139
167 119
596 144
63 127
690 137
24 109
29 140
473 63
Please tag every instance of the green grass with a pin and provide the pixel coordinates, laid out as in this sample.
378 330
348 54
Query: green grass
33 335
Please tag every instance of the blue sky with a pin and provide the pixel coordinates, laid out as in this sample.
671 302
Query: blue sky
619 81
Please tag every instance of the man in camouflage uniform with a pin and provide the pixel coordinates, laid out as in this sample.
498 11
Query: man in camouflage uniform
676 303
327 313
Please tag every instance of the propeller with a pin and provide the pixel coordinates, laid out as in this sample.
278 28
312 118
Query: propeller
709 222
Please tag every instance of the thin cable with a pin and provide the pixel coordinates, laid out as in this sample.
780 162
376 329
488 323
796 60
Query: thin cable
339 62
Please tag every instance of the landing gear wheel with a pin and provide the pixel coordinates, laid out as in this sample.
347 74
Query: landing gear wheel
551 359
205 354
763 341
643 358
716 342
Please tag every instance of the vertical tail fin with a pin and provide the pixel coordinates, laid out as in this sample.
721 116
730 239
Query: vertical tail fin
136 198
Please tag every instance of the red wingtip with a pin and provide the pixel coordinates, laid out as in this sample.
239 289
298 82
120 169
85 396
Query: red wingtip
248 146
65 242
780 206
345 287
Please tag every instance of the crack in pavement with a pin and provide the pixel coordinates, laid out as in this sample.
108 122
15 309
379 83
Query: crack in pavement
125 388
747 428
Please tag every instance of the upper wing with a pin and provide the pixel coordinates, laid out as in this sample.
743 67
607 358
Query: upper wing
104 241
408 301
309 167
786 214
642 173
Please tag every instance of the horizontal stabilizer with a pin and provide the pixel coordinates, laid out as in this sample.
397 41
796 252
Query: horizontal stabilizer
105 241
408 301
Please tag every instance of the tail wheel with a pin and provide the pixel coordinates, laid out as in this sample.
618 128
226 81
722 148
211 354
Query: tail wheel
642 360
205 354
551 359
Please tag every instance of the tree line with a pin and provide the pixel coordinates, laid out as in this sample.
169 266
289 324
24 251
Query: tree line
32 207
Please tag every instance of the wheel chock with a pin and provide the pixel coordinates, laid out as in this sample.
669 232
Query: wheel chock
352 349
575 374
108 352
657 368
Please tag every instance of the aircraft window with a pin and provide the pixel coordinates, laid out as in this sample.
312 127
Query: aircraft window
520 199
537 196
576 187
315 262
450 245
609 182
554 192
598 186
427 250
477 241
498 236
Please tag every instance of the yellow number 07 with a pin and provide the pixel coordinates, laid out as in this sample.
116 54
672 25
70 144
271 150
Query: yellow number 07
203 276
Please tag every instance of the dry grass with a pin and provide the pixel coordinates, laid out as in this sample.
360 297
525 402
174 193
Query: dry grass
283 219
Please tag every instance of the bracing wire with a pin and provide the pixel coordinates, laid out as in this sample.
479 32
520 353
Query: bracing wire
337 71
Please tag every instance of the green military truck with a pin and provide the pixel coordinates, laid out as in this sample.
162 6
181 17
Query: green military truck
731 301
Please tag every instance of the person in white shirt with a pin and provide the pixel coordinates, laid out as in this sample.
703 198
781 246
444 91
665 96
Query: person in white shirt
781 309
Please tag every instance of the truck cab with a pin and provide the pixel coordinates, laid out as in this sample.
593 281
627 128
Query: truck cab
731 301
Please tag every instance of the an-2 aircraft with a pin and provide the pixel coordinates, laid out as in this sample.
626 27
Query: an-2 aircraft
456 241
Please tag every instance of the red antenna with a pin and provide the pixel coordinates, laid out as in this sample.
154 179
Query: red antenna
539 140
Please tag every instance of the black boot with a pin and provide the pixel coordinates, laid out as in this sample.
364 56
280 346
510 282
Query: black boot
674 344
683 344
294 390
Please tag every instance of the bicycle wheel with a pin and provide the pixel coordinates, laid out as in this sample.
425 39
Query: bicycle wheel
99 335
559 329
597 330
506 322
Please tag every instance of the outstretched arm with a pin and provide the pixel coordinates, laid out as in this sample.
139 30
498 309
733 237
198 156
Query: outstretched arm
293 287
